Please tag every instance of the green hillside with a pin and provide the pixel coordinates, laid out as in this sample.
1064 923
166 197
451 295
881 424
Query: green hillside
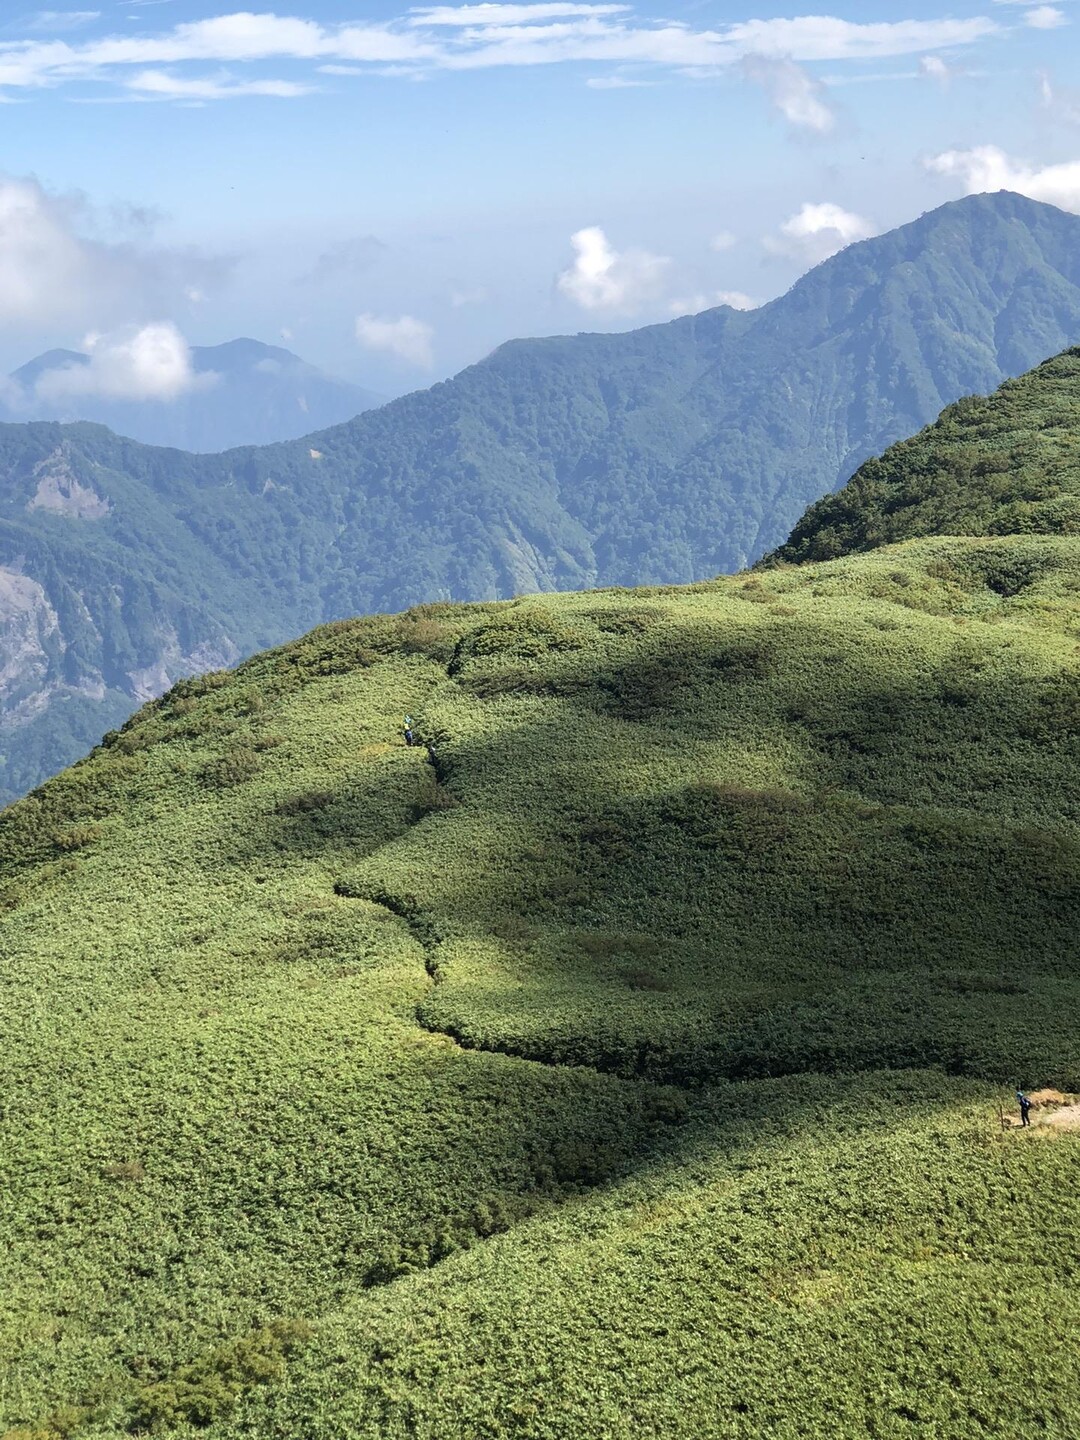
668 454
1001 465
631 1071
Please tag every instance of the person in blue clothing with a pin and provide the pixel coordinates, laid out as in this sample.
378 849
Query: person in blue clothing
1025 1105
410 733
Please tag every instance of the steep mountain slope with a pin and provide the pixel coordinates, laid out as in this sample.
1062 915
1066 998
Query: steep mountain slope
1005 464
633 1069
665 454
254 394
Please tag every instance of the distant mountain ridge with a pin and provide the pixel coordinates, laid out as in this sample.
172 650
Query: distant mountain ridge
260 394
663 455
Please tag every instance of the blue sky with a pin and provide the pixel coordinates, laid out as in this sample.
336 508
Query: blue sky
393 191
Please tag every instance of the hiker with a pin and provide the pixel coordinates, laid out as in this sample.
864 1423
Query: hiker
410 734
431 753
1025 1106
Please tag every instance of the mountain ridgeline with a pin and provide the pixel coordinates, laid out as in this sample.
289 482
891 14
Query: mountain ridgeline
663 455
638 1064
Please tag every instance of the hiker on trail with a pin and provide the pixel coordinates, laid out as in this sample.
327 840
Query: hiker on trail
410 734
431 753
1025 1106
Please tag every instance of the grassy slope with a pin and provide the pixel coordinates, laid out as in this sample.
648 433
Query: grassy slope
1003 464
685 851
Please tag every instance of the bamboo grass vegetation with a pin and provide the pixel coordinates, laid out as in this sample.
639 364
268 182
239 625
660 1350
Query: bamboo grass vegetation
628 1065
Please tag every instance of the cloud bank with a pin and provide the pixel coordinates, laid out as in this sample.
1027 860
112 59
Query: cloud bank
471 37
55 267
987 168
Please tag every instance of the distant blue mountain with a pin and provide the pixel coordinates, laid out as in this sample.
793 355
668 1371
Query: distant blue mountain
262 394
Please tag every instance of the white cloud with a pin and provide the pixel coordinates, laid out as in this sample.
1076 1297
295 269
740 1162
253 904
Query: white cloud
54 267
694 304
723 240
817 231
616 82
823 37
347 259
1045 17
227 39
934 68
602 278
160 84
986 168
467 15
149 363
460 298
406 337
1061 104
736 299
795 93
470 37
1038 15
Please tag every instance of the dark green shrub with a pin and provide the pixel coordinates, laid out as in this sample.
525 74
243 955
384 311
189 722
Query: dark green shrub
626 621
742 661
207 1391
643 979
525 631
77 837
515 930
305 803
420 634
1008 571
433 797
232 767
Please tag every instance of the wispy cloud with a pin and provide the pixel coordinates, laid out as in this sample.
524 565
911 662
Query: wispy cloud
466 15
1045 17
1037 14
616 82
58 20
708 300
347 258
935 68
161 85
1061 104
473 37
793 91
406 338
603 278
